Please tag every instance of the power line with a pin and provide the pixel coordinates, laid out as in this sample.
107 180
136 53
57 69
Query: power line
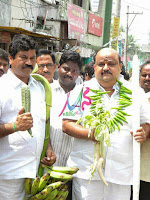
136 5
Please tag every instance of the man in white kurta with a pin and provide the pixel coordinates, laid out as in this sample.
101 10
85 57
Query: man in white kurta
118 170
19 152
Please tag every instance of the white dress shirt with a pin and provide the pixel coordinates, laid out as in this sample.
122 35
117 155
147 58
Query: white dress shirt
19 152
119 157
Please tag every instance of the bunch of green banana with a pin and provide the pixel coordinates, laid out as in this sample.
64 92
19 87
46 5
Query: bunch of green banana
52 185
48 99
46 191
38 189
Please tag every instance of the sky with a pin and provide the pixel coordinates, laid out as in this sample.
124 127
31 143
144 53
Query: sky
139 24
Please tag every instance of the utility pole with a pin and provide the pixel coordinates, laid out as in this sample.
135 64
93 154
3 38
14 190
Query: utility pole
107 21
118 8
126 38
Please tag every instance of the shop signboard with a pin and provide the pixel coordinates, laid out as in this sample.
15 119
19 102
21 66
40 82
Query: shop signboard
75 22
95 25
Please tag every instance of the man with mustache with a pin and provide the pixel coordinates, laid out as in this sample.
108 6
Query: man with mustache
46 64
68 71
118 170
19 152
145 147
4 62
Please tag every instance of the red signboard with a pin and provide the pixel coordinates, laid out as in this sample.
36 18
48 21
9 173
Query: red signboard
95 26
4 37
75 22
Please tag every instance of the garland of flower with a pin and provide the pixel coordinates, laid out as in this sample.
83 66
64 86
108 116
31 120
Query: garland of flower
102 121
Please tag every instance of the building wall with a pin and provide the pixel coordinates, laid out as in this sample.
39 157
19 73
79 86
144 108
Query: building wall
5 10
24 15
93 39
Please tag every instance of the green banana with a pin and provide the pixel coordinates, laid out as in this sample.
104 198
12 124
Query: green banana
52 195
35 185
43 180
43 194
46 191
48 99
27 185
67 170
65 194
60 176
62 195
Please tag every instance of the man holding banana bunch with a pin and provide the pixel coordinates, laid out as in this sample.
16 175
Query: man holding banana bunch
103 109
19 151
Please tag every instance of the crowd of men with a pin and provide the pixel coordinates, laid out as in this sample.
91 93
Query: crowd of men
69 143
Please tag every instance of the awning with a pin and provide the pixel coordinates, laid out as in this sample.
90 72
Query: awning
26 32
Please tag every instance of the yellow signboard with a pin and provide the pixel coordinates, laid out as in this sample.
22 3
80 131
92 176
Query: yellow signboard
115 32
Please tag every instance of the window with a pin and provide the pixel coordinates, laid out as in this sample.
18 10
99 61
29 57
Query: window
77 2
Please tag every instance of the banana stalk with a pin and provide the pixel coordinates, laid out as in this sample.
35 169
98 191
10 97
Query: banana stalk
48 100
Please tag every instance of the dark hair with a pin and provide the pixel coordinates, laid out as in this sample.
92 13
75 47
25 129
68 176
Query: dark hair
4 55
21 42
119 58
89 69
73 56
41 52
124 72
144 64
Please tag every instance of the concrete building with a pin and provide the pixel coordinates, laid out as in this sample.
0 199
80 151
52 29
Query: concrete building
83 25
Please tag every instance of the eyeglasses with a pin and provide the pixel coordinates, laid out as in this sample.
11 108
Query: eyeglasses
48 65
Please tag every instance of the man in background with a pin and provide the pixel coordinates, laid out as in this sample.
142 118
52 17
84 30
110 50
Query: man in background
4 62
46 64
89 71
145 147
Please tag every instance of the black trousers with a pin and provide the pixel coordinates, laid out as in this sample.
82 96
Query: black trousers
144 191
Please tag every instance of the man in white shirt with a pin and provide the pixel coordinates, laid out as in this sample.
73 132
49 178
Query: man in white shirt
145 147
68 71
19 152
118 159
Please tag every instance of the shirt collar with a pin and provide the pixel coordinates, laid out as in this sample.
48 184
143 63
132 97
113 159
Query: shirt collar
15 81
116 85
56 86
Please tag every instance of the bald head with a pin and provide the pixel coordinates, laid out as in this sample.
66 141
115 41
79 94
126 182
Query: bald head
107 51
107 67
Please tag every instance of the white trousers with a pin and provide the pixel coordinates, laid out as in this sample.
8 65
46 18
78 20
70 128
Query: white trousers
96 190
12 189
